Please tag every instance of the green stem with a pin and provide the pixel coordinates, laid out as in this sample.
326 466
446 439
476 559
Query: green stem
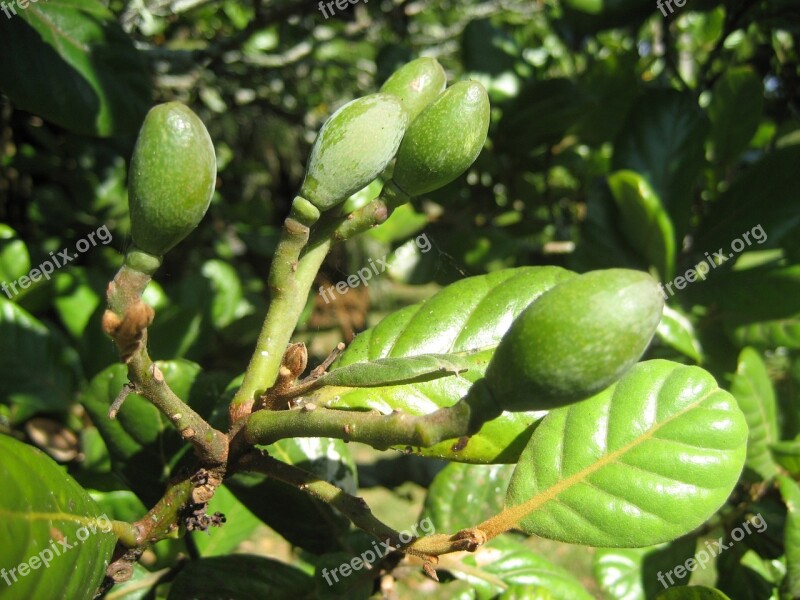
352 507
379 431
210 444
295 265
127 533
290 280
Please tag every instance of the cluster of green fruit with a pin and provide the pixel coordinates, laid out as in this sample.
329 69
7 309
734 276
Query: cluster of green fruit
412 118
575 340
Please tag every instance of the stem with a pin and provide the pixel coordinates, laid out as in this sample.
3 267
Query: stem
379 431
210 444
290 280
126 533
353 507
294 267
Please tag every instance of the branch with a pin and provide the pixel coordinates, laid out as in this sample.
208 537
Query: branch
126 322
379 431
353 507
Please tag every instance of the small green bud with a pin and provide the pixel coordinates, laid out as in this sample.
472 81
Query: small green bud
353 147
576 339
444 140
417 84
172 177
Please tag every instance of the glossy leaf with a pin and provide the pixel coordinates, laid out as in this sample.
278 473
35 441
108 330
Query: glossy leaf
790 491
38 371
737 101
769 334
732 294
633 573
395 371
463 495
663 140
787 455
14 259
467 316
756 197
240 524
61 540
677 332
240 576
666 426
509 561
89 77
646 224
753 391
302 520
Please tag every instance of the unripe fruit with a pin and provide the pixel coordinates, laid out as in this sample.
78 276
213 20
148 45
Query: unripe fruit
172 177
353 147
444 140
417 84
575 340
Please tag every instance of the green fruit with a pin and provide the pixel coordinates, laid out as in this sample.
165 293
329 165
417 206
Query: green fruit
353 147
417 84
575 340
172 177
444 140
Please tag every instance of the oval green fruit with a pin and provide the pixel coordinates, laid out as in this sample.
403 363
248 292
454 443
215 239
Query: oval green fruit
172 177
353 147
417 84
575 340
444 140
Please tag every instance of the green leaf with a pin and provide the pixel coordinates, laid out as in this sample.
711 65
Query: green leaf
677 332
60 538
240 576
505 561
76 299
239 525
668 427
139 587
732 294
395 371
542 113
14 259
737 102
744 575
633 573
663 140
694 592
143 444
470 315
603 245
646 224
790 491
463 495
758 196
787 455
215 291
769 334
89 77
302 520
753 391
38 371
